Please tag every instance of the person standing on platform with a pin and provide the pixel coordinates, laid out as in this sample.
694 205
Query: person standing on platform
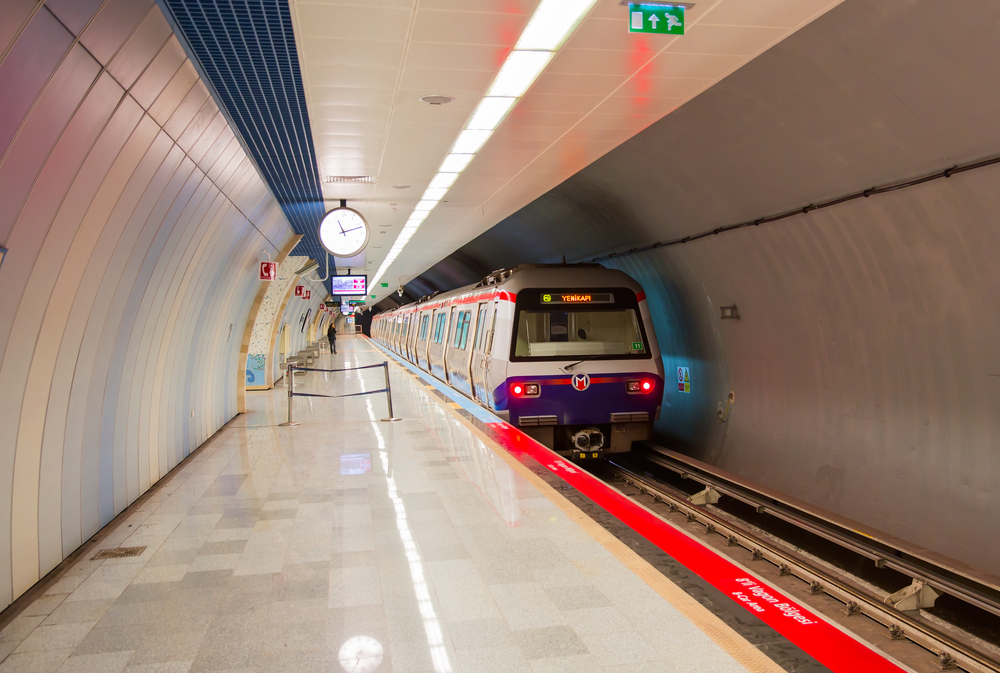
331 335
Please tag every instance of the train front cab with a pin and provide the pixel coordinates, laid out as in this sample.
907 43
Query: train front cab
585 376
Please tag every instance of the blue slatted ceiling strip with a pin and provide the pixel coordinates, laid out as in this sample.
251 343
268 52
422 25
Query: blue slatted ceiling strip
246 51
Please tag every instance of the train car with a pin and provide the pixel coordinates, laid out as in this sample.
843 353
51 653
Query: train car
565 352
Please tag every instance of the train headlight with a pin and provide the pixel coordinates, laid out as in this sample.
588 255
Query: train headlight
640 386
525 389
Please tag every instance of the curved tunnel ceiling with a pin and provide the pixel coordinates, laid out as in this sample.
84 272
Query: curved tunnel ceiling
864 364
869 94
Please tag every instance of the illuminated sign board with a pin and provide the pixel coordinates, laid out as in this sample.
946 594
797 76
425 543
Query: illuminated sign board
577 298
349 285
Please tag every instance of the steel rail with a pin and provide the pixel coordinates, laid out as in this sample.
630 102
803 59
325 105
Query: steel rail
950 652
884 554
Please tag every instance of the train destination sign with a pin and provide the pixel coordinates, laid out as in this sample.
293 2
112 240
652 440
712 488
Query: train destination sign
661 19
577 298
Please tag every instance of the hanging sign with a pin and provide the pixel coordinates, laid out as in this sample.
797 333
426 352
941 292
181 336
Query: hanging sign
299 290
662 19
683 380
268 270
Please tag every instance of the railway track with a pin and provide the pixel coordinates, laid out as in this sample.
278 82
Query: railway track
950 651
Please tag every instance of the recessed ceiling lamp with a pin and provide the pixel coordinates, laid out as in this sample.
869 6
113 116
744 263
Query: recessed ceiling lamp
547 30
437 100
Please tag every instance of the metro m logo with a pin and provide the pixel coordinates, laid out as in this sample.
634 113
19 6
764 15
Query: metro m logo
581 381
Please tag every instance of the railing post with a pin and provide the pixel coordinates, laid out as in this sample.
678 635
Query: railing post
290 384
388 394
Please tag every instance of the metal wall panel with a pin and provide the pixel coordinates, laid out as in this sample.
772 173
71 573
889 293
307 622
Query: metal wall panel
135 222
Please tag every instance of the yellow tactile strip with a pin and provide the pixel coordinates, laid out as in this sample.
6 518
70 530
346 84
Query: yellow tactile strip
725 637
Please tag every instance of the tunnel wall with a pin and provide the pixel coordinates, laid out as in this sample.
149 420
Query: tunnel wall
864 365
134 223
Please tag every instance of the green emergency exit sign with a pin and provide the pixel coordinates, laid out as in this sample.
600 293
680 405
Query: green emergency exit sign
661 19
384 284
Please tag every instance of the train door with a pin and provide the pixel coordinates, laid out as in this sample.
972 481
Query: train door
435 347
476 364
488 353
447 343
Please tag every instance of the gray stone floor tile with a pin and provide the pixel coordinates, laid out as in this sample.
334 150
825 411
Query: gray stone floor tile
111 662
619 648
553 641
598 620
577 597
223 547
55 637
481 633
579 663
46 661
160 647
162 667
44 605
494 660
79 611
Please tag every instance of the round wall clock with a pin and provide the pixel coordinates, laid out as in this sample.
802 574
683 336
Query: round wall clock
343 232
360 654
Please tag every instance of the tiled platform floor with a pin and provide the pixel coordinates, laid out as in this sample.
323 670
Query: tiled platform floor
273 547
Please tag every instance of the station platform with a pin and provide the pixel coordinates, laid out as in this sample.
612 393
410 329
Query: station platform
346 543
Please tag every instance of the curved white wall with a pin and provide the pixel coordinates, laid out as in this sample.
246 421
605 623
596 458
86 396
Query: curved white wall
135 223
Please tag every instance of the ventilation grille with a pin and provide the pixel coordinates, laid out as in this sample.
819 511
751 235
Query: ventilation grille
627 417
358 179
120 552
245 51
538 420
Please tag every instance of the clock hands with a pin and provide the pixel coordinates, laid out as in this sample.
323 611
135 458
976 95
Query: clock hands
345 233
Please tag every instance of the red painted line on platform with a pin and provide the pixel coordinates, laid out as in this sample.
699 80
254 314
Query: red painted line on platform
823 641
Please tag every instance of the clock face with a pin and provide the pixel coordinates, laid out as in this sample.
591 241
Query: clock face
343 232
360 654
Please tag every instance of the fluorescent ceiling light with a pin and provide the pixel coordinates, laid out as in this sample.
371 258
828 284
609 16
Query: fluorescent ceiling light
490 112
426 205
470 142
434 194
443 180
552 23
418 216
518 73
455 163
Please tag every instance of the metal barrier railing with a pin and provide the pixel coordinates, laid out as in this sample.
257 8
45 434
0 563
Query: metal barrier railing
290 384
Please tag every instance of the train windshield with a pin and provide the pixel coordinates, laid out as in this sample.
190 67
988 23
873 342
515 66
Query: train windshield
569 333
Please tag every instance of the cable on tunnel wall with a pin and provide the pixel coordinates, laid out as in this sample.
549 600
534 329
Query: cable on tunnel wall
897 186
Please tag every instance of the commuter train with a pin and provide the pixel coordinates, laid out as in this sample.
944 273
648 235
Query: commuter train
564 352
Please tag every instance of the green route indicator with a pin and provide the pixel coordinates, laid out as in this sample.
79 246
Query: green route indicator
660 19
384 284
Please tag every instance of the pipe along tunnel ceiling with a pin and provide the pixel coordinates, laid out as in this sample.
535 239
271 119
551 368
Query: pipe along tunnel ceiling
865 363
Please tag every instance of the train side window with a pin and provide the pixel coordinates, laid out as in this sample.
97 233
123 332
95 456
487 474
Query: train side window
493 328
462 331
439 328
480 319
